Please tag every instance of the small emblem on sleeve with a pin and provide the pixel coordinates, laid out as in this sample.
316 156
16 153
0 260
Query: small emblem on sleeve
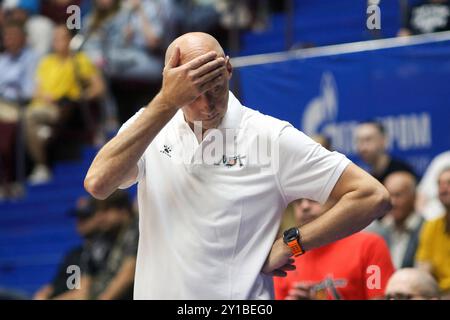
167 150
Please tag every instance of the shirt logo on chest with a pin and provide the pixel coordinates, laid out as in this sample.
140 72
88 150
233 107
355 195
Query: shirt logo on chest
230 161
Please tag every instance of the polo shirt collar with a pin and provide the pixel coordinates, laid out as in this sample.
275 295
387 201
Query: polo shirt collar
233 116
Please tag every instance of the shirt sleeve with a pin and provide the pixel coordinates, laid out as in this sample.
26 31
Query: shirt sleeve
141 161
428 184
378 263
306 169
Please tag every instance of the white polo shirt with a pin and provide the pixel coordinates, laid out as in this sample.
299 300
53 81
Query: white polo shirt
207 227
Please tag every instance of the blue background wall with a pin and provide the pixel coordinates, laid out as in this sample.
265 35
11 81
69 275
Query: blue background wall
406 87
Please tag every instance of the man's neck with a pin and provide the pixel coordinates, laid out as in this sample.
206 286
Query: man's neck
401 224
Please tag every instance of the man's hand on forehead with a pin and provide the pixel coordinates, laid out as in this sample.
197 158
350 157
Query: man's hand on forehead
210 56
182 84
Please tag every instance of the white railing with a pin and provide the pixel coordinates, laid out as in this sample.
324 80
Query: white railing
337 49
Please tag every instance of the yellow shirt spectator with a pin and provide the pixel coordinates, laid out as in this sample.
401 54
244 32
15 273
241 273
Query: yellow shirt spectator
434 248
60 78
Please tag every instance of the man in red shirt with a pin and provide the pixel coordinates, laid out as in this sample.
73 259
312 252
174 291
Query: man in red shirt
354 268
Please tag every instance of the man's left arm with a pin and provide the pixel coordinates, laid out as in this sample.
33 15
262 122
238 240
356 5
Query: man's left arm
355 201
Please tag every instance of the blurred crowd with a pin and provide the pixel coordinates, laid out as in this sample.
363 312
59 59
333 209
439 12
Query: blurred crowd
425 16
71 71
59 86
403 255
107 255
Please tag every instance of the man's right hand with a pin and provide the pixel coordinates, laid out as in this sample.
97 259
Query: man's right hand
182 84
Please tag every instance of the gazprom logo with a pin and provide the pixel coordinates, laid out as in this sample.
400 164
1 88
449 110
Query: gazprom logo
409 131
322 109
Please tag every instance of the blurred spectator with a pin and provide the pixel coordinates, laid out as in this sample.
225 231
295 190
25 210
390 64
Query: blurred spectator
247 14
136 51
2 21
56 10
371 147
340 270
412 284
38 28
128 40
201 15
428 201
109 264
218 17
401 226
425 17
433 254
87 226
17 67
63 80
97 27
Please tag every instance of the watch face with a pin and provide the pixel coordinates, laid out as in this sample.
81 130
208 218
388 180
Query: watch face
290 234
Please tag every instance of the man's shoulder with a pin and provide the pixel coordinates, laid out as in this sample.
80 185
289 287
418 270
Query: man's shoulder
253 119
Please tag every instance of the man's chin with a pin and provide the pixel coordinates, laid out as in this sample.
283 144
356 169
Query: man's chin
211 124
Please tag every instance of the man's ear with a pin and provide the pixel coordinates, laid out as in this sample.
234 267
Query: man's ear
229 67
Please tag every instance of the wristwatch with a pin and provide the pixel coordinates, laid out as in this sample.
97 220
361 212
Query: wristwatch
293 239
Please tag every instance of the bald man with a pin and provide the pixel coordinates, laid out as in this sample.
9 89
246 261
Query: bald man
412 284
403 224
210 196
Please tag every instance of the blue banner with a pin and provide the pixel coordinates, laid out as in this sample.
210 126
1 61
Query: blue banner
407 88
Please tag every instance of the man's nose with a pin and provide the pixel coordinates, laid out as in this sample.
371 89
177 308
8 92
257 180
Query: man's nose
206 103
